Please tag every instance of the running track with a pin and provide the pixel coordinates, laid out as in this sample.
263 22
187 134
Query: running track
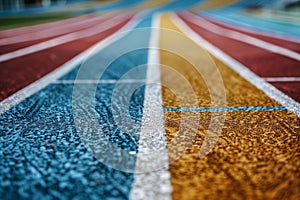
150 105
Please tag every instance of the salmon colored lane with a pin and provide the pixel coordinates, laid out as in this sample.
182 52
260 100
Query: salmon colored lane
39 27
294 46
292 89
18 73
20 45
262 62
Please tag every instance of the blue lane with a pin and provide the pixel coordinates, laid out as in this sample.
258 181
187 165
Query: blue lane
118 5
228 109
41 153
234 15
239 19
177 5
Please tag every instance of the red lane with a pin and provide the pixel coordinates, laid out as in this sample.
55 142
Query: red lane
292 89
12 47
18 73
51 32
260 61
34 28
294 46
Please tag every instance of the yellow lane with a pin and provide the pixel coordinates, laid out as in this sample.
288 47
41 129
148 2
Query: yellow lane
257 153
211 4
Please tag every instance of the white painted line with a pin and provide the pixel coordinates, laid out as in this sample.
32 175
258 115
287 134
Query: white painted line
52 31
152 177
109 81
62 39
261 84
31 89
282 79
201 22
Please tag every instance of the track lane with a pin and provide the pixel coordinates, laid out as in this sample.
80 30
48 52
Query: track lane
262 62
254 157
49 112
38 27
245 38
293 45
73 34
52 31
235 17
18 73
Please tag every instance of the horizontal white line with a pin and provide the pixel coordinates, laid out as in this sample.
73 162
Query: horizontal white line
98 81
62 39
201 22
242 70
282 79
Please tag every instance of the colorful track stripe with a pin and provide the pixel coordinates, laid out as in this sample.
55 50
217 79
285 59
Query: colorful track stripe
230 170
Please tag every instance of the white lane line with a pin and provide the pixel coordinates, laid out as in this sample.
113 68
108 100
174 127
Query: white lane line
36 86
282 79
53 31
152 177
260 83
108 81
201 22
62 39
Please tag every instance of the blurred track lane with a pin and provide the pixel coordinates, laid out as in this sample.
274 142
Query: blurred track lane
261 61
288 43
243 162
20 72
51 31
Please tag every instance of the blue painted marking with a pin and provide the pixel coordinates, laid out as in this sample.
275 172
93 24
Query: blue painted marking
229 109
42 156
